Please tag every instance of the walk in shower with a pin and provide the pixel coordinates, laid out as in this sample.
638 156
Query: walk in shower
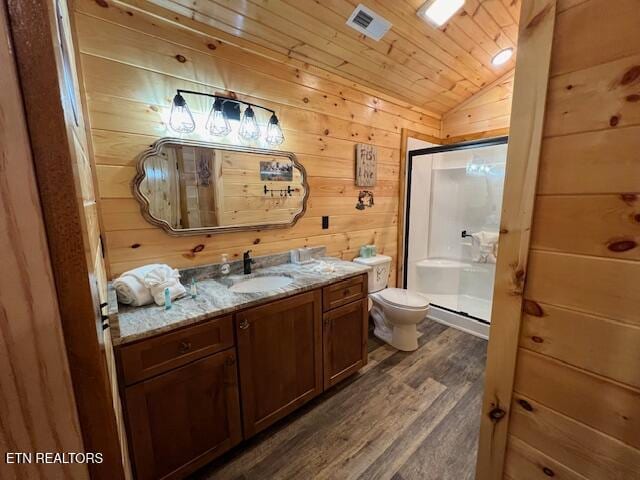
454 200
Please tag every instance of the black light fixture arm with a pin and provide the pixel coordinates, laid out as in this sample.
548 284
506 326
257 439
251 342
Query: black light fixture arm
223 99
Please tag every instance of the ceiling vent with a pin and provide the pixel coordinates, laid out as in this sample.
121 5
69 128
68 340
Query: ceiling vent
368 22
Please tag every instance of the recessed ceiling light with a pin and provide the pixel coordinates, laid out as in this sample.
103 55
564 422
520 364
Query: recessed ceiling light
439 12
502 56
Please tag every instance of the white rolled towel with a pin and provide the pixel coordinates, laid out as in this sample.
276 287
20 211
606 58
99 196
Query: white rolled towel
161 278
130 287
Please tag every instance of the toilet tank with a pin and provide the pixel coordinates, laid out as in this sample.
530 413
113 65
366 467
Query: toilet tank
379 275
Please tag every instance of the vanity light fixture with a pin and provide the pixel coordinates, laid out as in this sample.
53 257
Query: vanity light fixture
274 132
249 126
223 110
181 119
438 12
502 57
217 123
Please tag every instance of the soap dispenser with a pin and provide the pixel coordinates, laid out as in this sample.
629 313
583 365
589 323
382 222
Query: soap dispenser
225 268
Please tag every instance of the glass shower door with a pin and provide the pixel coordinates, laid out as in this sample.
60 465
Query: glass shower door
454 220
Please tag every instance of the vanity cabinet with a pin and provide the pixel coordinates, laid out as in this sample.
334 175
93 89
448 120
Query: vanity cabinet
280 358
180 420
191 394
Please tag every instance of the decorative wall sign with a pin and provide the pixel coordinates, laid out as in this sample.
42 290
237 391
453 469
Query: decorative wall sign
366 159
365 199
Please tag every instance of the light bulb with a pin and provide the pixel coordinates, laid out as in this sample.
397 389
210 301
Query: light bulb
181 119
274 132
218 123
249 126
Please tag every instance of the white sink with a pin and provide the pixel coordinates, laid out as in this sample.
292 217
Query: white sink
261 284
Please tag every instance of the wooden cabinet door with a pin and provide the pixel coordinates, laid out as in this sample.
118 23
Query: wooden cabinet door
182 419
345 341
280 358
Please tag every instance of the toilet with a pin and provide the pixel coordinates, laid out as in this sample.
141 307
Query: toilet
395 311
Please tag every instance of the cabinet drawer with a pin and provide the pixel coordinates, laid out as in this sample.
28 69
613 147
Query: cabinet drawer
344 292
160 354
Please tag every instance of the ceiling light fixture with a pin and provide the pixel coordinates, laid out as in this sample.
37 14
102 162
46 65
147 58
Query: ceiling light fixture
224 109
438 12
502 57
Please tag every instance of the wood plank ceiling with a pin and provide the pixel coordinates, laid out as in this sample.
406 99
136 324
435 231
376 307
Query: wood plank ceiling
432 68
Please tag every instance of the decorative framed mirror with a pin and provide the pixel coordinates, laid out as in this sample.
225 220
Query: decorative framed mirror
189 187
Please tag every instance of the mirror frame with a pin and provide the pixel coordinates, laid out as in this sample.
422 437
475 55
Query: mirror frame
155 149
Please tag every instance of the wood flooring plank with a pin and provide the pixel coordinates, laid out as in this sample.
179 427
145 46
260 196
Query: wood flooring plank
363 450
404 447
452 358
460 382
444 454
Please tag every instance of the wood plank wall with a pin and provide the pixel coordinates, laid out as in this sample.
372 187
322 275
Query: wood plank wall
132 63
38 410
576 410
485 114
83 152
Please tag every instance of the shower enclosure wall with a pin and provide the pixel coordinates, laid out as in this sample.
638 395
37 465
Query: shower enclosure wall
454 200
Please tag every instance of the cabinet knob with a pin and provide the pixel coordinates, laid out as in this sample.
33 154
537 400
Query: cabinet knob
184 347
244 324
229 361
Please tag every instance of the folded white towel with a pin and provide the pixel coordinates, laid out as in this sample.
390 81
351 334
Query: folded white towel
161 278
320 266
130 287
485 247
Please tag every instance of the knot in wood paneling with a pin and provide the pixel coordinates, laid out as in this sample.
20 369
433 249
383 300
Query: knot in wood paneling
497 414
619 246
532 308
631 75
526 405
548 472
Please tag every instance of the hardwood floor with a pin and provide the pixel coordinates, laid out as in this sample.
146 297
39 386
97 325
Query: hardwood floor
405 416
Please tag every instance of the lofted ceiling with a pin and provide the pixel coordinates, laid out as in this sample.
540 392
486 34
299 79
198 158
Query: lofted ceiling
432 68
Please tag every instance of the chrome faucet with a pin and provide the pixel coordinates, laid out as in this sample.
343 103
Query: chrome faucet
246 258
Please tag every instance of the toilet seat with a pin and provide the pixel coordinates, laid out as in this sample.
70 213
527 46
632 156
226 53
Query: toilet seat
404 299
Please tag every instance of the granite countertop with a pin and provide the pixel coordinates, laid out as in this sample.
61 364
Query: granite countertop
129 324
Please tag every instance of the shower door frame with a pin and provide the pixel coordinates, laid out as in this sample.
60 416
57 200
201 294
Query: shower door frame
487 142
